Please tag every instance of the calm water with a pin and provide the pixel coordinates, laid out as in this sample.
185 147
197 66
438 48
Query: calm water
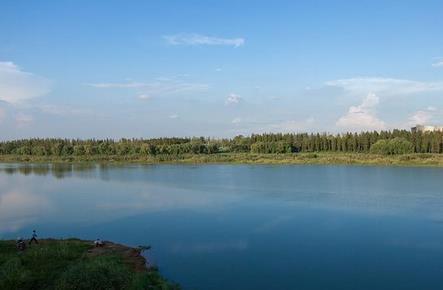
245 227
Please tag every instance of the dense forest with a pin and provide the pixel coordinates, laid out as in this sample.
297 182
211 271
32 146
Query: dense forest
386 142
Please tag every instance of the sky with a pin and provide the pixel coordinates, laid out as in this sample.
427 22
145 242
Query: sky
113 69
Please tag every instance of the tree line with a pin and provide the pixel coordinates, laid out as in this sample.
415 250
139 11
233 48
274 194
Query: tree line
388 142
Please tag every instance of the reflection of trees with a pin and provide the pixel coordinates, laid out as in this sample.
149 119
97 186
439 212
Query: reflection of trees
61 170
41 169
104 171
58 170
9 170
25 170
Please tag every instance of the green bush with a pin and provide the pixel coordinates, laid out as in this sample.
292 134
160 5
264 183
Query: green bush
271 147
13 275
392 147
63 265
100 273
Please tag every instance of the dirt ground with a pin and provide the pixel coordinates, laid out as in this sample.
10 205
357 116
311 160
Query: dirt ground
131 256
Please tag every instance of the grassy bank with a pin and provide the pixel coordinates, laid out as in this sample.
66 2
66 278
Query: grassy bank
76 264
415 159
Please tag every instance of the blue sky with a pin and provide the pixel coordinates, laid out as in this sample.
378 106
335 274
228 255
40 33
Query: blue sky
217 68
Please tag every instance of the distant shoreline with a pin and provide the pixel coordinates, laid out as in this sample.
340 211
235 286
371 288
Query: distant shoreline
320 158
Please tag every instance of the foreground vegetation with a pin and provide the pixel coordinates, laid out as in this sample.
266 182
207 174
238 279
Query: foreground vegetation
67 264
398 147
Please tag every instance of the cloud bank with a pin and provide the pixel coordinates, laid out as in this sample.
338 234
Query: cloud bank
17 86
422 117
194 39
385 86
290 126
147 90
362 117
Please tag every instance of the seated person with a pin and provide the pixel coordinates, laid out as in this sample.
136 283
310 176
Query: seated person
98 243
21 245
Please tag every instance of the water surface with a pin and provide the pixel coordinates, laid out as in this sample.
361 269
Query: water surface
245 227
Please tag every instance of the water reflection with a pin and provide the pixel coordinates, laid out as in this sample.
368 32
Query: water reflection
210 246
18 209
243 222
131 189
88 194
58 170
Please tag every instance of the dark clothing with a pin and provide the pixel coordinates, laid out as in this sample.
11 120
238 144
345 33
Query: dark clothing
21 246
33 240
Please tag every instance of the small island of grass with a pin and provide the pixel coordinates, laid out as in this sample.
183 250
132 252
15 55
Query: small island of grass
76 264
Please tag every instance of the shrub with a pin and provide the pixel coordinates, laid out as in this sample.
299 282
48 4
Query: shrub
13 275
271 147
392 147
100 273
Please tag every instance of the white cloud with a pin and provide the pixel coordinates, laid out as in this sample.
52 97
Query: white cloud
423 117
63 110
198 39
420 118
23 119
431 108
236 120
233 99
438 62
2 114
290 126
159 87
144 97
246 126
385 86
118 85
362 117
17 86
173 116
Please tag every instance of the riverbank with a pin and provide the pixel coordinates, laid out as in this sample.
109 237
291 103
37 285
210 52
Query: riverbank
76 264
415 159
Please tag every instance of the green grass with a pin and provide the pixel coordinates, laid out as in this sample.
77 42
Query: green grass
414 159
63 264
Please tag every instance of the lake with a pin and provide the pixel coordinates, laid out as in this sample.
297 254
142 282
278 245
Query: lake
244 226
